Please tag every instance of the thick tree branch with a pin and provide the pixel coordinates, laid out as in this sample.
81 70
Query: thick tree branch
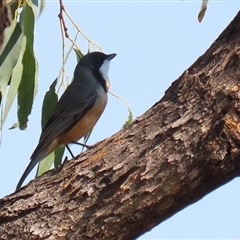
184 147
5 19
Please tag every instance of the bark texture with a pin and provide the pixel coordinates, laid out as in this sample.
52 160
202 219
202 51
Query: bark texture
185 146
5 19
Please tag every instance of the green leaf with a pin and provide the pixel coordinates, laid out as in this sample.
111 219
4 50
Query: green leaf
45 164
34 5
202 10
49 102
15 125
13 7
41 6
28 85
58 156
11 38
86 137
10 54
33 2
54 157
130 118
15 81
130 115
79 54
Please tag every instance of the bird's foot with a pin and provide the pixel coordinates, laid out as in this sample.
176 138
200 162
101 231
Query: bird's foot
83 145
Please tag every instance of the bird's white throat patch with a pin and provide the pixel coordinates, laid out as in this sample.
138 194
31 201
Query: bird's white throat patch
104 69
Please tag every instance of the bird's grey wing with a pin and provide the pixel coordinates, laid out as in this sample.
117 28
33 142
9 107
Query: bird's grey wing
69 110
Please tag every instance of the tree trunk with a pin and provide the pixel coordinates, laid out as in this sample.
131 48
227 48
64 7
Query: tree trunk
185 146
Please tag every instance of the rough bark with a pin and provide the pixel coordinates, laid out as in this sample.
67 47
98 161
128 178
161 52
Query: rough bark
5 19
185 146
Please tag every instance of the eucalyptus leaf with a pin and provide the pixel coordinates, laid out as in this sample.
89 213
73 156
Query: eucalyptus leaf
41 6
45 164
15 81
9 55
53 158
202 10
79 54
15 125
49 102
34 4
130 118
13 4
130 115
58 156
27 87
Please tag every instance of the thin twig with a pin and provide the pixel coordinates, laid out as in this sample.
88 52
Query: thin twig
79 30
60 15
65 60
63 46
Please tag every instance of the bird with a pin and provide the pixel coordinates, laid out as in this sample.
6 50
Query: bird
78 109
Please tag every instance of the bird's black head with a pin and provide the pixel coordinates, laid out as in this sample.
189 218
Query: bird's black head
98 62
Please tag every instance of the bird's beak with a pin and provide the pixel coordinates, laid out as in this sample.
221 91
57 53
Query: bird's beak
111 56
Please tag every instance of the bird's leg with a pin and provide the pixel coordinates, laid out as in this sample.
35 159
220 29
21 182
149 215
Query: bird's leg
83 145
68 148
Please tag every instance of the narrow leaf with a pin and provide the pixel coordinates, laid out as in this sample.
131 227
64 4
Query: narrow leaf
86 137
15 125
41 6
15 81
79 54
9 55
130 118
130 115
45 164
13 8
34 5
58 156
54 157
202 10
27 88
49 102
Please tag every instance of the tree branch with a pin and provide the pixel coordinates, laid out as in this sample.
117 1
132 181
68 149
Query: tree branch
5 19
62 20
185 146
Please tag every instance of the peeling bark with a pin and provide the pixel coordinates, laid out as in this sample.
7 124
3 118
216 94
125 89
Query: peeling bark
185 146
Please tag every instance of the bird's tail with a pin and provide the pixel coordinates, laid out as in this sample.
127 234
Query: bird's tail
31 165
42 150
